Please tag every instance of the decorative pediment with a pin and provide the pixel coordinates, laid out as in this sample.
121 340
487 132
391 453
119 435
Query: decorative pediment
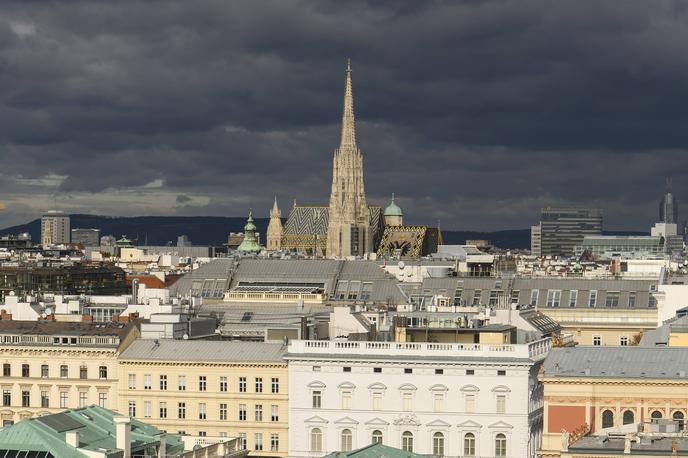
377 386
346 386
346 421
407 419
470 424
316 384
501 389
500 425
377 422
439 387
438 424
315 419
407 387
470 388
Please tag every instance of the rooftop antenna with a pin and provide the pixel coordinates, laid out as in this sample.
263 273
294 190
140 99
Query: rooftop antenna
668 184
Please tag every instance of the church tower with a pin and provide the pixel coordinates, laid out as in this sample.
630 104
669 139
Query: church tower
274 233
348 230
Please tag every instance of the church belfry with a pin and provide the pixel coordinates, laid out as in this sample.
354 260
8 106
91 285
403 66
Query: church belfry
348 230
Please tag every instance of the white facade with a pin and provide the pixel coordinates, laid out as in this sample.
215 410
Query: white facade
437 399
55 228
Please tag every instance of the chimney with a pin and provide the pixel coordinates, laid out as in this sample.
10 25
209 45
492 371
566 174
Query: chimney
123 435
72 438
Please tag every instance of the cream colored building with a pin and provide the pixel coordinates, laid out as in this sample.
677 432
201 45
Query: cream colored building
51 366
209 388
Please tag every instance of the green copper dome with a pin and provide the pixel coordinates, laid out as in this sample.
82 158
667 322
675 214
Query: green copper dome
393 209
250 243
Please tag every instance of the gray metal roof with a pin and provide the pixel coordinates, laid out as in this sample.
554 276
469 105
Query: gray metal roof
206 350
613 446
617 362
220 268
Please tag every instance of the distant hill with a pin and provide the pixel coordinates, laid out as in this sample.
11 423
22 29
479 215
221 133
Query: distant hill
213 230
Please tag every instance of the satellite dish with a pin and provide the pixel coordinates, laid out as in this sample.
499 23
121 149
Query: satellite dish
401 264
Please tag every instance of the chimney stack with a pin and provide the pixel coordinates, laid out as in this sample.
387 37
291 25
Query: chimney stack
123 435
72 438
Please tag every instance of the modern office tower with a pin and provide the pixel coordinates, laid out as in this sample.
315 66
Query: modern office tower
668 207
535 240
86 237
54 228
561 229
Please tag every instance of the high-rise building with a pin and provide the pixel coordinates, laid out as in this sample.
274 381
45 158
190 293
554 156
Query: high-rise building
668 207
535 240
348 230
275 230
54 228
86 237
561 229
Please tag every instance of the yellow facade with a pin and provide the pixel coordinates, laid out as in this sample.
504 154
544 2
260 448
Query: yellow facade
39 379
200 398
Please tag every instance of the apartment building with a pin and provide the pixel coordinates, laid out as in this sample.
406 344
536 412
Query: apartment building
428 398
51 366
209 388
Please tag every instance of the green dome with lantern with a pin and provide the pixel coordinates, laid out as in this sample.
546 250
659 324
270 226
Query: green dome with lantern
250 243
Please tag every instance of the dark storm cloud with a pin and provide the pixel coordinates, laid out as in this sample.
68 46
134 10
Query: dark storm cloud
475 113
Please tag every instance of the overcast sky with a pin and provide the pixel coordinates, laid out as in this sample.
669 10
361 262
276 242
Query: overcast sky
474 113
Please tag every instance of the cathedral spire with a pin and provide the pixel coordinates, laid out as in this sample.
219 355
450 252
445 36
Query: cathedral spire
348 122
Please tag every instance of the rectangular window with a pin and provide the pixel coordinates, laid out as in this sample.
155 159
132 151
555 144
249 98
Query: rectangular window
631 299
64 399
623 341
242 441
163 383
201 411
146 409
181 410
501 403
592 299
132 381
274 442
258 442
25 370
259 384
439 371
83 372
377 370
102 399
476 297
597 340
45 400
494 298
242 384
407 402
26 398
377 400
573 297
438 402
470 371
6 398
316 368
163 409
346 400
612 299
6 370
408 370
223 384
64 371
275 385
242 412
83 399
102 372
470 403
132 408
181 383
259 412
501 372
44 371
553 297
346 369
274 413
202 383
534 296
515 294
223 411
317 399
147 381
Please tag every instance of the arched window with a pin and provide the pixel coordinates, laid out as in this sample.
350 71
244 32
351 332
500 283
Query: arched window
469 444
678 416
407 441
438 444
607 419
347 439
628 417
656 415
316 440
377 436
500 445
